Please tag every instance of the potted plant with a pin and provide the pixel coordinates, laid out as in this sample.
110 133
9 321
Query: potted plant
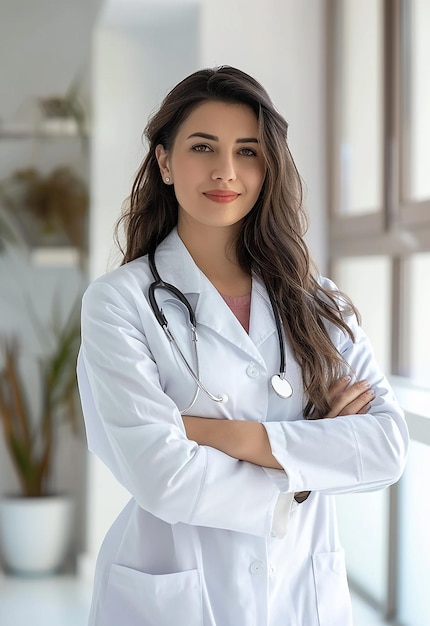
64 113
35 525
40 210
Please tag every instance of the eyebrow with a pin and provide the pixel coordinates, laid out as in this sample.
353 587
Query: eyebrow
215 138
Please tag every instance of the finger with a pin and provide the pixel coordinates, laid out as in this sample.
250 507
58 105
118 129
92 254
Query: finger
364 410
346 397
358 404
344 393
340 385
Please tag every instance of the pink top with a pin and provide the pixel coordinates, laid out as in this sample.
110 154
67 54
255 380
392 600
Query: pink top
241 307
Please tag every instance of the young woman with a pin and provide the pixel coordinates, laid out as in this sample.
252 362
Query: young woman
208 362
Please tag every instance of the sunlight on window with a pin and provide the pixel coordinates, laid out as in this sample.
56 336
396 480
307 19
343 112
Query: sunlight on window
419 326
420 100
367 281
361 106
415 545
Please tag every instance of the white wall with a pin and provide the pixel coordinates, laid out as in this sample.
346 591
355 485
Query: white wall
140 51
44 45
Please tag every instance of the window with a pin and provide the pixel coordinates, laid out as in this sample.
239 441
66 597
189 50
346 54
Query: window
379 228
359 151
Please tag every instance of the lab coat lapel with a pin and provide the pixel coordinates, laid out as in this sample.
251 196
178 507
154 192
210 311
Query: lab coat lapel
213 312
262 322
176 266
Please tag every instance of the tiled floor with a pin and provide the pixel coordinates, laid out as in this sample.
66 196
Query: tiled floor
64 601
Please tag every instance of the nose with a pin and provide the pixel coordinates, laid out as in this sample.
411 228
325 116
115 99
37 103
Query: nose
224 169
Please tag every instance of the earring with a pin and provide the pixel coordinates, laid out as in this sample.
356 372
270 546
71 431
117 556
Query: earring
167 179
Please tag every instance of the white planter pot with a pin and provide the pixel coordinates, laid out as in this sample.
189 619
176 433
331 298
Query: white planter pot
35 533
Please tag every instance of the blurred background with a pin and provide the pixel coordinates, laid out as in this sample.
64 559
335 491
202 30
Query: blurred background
78 81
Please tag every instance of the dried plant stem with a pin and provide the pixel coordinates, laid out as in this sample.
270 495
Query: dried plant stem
30 438
6 415
17 391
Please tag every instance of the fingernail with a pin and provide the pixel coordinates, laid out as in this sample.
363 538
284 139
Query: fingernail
346 379
370 392
364 383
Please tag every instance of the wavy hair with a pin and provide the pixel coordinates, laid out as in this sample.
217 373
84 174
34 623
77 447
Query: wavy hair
271 241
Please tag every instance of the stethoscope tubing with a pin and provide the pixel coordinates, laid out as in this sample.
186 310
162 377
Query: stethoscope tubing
279 382
161 318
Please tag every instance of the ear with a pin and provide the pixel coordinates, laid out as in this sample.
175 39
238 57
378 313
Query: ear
162 157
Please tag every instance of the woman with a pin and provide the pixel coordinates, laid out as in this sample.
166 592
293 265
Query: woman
222 445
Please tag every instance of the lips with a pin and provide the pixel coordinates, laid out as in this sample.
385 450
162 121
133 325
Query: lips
221 195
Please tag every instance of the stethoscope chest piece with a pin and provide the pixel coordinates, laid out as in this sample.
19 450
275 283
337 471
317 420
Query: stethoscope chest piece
281 386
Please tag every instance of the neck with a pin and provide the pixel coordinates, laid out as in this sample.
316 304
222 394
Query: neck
213 251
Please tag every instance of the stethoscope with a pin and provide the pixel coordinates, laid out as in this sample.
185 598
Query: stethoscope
279 383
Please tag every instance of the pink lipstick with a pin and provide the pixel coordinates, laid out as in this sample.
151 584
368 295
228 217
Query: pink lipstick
221 196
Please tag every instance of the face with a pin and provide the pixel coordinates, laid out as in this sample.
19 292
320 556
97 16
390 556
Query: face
216 165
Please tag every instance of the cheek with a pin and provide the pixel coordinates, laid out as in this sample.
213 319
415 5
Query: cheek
186 173
255 168
256 179
185 187
181 179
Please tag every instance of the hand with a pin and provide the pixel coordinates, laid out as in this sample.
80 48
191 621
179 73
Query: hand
345 399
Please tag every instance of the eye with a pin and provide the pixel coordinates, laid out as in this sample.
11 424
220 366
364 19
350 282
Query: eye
201 147
248 152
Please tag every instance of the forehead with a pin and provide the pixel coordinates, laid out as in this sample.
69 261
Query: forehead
221 119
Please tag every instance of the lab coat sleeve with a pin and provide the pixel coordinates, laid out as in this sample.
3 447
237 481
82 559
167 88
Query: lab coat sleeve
349 453
138 432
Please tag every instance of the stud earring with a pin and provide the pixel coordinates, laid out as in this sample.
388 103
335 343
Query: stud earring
167 179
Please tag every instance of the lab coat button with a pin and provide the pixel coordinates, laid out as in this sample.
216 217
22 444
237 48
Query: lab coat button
271 569
257 567
252 371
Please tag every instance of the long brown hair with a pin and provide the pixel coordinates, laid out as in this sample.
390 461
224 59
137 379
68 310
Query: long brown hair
270 242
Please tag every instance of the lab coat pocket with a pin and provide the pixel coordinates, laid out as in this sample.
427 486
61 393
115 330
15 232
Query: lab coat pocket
331 587
139 599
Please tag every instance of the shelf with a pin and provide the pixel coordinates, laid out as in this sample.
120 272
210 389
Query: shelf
65 256
52 129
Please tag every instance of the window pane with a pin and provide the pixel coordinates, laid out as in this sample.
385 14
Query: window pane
418 163
361 152
415 539
364 538
419 327
367 281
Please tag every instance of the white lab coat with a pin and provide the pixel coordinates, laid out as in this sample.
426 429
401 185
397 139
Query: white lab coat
201 542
